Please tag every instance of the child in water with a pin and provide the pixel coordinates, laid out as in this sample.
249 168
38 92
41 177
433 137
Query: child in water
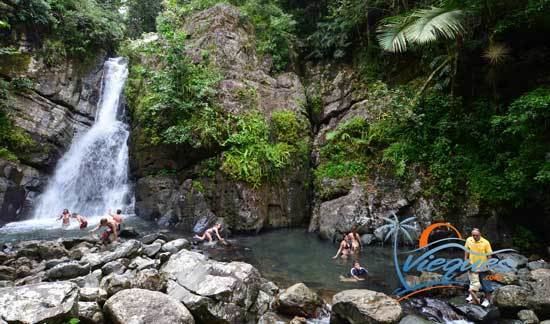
357 273
66 216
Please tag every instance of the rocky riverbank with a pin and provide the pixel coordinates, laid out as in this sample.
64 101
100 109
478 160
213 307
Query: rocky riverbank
167 280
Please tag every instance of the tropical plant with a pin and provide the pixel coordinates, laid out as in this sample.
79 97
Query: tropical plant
393 228
396 34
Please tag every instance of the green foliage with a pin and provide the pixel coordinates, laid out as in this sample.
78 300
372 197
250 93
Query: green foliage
13 140
75 28
251 156
524 239
141 16
274 30
421 27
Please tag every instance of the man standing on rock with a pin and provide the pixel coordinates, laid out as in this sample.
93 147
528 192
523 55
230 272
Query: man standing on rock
481 250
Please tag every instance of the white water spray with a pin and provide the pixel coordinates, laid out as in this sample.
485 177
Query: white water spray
92 176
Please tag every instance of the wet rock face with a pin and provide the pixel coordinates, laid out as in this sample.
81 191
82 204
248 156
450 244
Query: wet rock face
44 302
365 306
62 102
145 306
246 85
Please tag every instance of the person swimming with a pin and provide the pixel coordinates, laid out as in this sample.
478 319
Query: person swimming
66 216
209 233
82 220
345 248
356 273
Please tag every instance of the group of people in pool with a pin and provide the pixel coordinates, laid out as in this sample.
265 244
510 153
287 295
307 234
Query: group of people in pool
110 224
351 245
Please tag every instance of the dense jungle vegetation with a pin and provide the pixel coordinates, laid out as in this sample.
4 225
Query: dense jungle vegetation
465 85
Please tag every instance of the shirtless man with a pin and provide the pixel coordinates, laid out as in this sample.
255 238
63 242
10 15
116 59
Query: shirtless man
110 234
117 218
66 216
82 220
210 232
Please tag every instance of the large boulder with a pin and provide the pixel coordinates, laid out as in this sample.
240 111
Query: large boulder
511 298
299 300
213 291
539 300
67 270
90 313
41 250
39 303
365 306
145 306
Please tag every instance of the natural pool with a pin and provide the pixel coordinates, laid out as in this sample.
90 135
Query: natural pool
290 256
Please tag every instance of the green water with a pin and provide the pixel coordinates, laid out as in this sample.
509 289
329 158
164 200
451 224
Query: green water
290 256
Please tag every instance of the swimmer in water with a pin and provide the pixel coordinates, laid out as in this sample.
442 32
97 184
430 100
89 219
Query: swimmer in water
66 216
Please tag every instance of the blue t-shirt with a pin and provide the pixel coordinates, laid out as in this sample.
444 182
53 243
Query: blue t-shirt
359 272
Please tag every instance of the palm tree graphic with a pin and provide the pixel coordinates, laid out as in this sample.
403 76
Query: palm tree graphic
394 227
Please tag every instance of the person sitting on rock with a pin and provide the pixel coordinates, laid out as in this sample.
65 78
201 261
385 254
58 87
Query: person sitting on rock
66 216
117 218
345 248
209 233
82 220
110 233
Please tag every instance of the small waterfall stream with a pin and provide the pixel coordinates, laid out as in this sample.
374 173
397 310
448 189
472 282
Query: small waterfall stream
93 175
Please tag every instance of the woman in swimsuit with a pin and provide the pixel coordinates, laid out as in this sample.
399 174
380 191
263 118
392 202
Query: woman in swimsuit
345 248
209 233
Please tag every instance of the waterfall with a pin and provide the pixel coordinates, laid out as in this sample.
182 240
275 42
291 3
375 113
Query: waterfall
92 176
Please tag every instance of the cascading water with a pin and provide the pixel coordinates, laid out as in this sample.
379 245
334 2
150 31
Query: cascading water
93 175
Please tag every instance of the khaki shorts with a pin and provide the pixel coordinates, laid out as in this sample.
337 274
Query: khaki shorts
475 284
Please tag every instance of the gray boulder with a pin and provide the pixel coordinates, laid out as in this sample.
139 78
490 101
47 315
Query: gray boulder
44 302
127 249
90 280
516 258
149 279
478 313
539 300
175 245
511 298
527 316
365 306
414 319
145 306
67 270
213 291
117 266
41 250
152 249
139 263
92 294
540 264
7 273
299 300
114 283
89 312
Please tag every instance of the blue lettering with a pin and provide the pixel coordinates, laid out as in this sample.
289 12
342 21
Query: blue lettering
435 264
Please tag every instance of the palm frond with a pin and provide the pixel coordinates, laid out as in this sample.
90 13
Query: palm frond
434 23
496 53
385 227
390 232
389 220
408 220
407 235
391 34
409 227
